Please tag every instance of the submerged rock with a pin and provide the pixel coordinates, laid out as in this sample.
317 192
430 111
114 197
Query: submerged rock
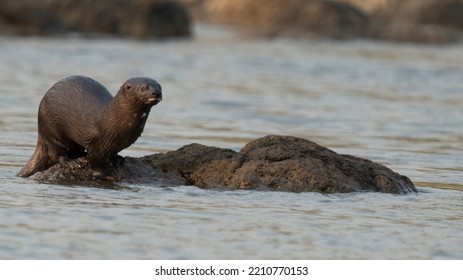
281 163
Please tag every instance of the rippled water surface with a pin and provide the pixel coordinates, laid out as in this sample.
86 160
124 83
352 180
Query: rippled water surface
400 105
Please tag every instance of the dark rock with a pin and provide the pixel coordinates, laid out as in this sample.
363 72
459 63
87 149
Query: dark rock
137 18
281 163
27 18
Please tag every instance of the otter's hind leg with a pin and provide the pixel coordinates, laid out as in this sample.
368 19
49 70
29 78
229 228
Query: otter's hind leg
116 161
97 163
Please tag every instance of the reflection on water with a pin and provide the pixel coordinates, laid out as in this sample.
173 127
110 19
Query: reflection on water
400 105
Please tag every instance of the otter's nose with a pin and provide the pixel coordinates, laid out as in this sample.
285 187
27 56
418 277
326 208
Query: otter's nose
153 92
157 94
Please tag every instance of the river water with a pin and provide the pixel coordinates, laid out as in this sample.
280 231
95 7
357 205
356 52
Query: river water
397 104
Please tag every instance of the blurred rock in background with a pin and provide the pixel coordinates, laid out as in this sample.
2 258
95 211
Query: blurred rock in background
426 21
27 18
137 18
423 21
293 18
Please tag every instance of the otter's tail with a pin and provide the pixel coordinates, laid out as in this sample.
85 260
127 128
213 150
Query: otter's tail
39 161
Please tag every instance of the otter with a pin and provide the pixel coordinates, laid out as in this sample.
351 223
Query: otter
80 122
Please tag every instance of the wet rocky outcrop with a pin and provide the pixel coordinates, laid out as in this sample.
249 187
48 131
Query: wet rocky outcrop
281 163
137 18
424 21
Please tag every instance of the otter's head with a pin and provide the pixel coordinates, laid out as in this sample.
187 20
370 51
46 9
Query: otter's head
143 91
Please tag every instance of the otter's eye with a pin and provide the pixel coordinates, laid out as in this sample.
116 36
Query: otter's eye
128 86
145 88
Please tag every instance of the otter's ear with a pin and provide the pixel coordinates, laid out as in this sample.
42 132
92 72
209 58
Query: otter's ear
127 86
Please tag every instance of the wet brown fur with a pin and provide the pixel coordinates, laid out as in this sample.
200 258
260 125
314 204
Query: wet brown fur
78 117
